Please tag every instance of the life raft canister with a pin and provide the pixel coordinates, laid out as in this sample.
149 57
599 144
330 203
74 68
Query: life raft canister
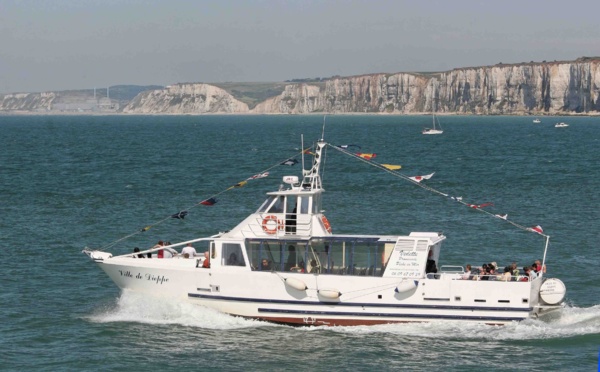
271 224
326 224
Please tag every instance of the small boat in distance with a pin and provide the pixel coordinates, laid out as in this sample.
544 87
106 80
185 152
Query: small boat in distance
436 129
537 121
561 125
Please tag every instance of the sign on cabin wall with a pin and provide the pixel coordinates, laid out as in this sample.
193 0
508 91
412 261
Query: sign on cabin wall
408 259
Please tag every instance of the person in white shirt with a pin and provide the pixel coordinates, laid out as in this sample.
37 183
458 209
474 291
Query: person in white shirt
189 250
467 273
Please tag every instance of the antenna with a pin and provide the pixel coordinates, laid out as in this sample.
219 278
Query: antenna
323 132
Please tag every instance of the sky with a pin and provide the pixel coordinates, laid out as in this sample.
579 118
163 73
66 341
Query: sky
81 44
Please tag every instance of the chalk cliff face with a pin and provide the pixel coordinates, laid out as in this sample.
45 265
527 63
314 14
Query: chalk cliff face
545 88
295 99
27 101
527 88
186 99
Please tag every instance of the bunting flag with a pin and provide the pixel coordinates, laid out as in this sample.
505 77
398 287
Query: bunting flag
180 215
457 198
345 147
392 167
260 175
538 229
425 177
210 201
308 152
366 156
145 228
502 216
480 205
239 184
289 162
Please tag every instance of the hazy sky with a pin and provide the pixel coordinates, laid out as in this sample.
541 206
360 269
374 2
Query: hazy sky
76 44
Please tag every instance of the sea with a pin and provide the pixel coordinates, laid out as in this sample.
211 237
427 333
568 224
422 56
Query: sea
71 182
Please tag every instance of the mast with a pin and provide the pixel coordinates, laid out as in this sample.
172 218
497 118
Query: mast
312 179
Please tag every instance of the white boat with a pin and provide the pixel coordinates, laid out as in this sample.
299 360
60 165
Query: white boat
437 128
284 264
537 121
561 125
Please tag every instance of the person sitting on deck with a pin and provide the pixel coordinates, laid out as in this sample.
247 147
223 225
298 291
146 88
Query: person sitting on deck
467 274
527 276
136 249
430 267
506 276
206 262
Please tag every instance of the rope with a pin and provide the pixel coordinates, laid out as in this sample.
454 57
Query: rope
431 189
148 227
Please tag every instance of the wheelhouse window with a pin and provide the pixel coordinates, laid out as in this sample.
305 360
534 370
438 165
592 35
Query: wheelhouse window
232 255
267 203
319 256
278 206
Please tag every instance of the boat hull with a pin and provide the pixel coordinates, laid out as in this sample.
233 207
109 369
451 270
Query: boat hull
361 301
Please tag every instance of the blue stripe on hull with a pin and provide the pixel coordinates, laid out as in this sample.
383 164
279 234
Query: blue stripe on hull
355 304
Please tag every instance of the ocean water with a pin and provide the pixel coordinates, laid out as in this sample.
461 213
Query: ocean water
70 182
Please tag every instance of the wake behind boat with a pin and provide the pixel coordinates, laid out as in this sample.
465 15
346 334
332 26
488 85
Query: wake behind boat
284 264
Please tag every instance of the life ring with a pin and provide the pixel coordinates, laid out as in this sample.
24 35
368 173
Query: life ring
267 226
326 224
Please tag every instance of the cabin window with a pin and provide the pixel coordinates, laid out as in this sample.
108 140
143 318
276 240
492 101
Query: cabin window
320 256
232 255
347 257
266 204
278 205
304 204
316 205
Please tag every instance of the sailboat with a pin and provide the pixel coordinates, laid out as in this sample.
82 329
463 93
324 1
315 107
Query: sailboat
436 129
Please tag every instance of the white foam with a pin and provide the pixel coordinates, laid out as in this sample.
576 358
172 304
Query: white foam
140 308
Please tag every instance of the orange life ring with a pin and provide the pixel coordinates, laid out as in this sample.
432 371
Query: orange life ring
326 224
268 228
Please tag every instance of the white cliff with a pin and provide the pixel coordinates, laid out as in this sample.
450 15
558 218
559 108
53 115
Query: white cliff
186 99
546 88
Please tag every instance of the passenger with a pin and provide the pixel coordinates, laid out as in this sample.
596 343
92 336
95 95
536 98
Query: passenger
291 260
484 272
527 276
159 253
136 249
467 274
430 267
491 273
265 265
188 251
299 268
506 276
538 268
206 262
233 260
313 266
514 271
532 273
